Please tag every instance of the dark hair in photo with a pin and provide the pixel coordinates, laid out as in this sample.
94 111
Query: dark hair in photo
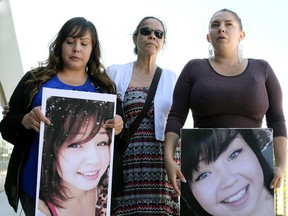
68 116
209 144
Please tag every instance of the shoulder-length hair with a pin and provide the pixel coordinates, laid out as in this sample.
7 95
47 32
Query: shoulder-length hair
67 116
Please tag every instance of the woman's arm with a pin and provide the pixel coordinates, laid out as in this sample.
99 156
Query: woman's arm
280 152
276 120
172 168
11 127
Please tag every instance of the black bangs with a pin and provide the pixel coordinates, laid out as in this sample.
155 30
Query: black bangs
79 31
77 27
204 145
215 144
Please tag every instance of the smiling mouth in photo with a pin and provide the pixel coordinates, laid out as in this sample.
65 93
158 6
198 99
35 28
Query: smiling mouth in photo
237 197
88 173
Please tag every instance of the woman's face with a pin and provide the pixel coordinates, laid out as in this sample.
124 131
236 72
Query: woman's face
224 31
232 184
82 165
149 44
76 52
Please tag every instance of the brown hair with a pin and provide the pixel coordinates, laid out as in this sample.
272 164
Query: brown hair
75 27
238 19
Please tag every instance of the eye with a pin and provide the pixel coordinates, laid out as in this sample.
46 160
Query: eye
145 31
235 154
69 41
74 145
159 34
214 24
85 42
202 176
102 144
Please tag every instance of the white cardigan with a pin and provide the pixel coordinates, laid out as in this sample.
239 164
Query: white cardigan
121 74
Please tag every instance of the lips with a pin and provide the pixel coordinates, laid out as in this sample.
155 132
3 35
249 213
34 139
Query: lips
150 44
221 37
236 197
75 58
88 173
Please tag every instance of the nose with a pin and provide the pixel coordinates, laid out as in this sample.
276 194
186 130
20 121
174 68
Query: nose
228 179
76 48
226 174
152 35
221 28
92 155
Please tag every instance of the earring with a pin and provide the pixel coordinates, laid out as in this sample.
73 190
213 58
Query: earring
240 53
211 52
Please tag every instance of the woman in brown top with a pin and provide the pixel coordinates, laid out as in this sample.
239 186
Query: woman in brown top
227 91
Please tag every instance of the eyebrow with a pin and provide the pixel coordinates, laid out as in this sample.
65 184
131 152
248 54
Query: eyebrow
229 20
104 132
152 28
81 38
85 38
224 21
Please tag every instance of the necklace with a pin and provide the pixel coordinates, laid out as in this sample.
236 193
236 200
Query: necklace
146 80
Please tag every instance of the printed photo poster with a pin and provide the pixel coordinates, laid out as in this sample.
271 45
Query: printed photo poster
228 172
75 154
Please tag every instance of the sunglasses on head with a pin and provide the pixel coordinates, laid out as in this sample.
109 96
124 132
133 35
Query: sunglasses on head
148 31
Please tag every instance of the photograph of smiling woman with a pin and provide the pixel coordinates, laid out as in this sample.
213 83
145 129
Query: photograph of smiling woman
70 155
206 146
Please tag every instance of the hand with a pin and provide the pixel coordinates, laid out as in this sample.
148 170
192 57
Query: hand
278 177
174 174
32 119
116 123
5 111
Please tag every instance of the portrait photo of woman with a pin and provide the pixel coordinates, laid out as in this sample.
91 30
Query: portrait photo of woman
227 173
75 157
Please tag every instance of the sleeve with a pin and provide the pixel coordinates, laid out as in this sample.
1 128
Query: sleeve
180 104
10 127
275 116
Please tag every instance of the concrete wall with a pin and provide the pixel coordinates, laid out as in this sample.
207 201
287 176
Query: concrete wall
11 69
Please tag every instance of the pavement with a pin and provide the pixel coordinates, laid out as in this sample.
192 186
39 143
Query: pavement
6 209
